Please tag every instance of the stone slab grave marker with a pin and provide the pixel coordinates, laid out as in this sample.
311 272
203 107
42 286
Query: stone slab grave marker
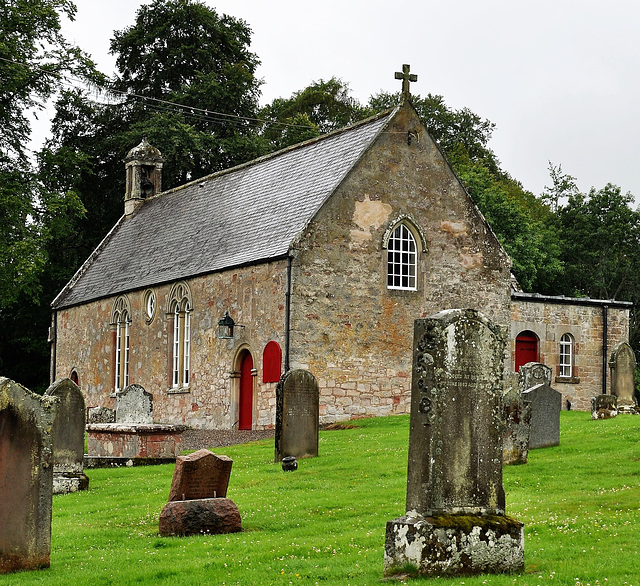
546 404
622 364
517 419
134 405
26 477
297 415
604 406
197 498
68 437
455 522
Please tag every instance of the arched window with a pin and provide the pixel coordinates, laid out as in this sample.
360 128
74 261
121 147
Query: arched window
180 308
565 366
402 259
121 321
271 362
526 349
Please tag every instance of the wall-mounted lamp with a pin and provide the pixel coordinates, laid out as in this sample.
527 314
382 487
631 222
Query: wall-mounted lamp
226 326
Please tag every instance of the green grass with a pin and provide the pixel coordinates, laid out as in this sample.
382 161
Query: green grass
325 523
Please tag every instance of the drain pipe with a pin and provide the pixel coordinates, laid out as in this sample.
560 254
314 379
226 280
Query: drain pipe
287 315
53 334
605 350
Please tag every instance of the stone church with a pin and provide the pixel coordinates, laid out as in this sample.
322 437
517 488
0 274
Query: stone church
319 257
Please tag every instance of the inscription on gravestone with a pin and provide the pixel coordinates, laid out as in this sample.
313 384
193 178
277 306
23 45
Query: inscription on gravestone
200 475
26 477
134 405
297 415
546 404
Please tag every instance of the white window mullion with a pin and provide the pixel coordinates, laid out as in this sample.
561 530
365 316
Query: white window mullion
176 347
186 345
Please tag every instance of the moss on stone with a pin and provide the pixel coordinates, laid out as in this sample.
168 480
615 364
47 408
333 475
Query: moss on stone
502 524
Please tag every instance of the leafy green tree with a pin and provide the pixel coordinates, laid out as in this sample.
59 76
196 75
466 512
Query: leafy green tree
562 187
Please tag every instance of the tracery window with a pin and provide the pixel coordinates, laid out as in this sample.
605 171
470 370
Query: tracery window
566 356
121 321
180 307
402 259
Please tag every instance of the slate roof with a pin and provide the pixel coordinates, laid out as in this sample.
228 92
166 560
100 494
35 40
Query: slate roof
244 215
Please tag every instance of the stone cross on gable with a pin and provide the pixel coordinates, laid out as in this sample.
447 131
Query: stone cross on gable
406 77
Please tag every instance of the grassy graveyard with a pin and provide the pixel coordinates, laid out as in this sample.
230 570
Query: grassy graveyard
325 523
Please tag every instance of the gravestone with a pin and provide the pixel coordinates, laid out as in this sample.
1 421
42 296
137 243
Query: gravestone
546 404
197 498
604 406
517 420
455 522
622 364
200 475
297 415
134 405
26 477
68 438
101 415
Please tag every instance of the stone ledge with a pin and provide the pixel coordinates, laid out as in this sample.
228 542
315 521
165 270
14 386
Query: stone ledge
454 545
135 428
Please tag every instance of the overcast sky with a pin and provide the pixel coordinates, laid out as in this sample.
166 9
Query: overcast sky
559 78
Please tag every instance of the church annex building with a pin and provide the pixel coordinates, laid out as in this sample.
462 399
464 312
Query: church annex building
319 257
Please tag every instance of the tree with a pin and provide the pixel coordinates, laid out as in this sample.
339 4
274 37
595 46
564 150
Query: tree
562 187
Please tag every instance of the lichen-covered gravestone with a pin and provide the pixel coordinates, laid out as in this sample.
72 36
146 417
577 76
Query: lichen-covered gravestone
623 366
26 477
297 415
517 428
455 522
197 499
546 404
68 438
134 405
604 407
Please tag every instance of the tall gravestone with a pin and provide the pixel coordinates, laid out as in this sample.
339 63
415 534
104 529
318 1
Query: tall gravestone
68 438
546 404
455 522
622 364
297 415
26 477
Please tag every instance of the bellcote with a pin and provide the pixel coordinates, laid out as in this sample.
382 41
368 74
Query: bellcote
143 166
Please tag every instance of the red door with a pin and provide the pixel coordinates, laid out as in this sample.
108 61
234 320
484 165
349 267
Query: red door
246 392
526 349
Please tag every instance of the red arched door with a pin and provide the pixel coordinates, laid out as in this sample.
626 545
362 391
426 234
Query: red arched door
246 391
526 348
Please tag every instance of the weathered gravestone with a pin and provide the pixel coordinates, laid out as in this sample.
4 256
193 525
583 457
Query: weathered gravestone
68 437
455 522
546 404
197 499
604 406
297 415
517 420
622 363
26 477
134 405
101 415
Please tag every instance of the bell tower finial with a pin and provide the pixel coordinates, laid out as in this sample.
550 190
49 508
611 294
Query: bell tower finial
144 175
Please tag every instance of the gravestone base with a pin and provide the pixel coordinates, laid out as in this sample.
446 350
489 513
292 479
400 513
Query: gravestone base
454 545
67 482
198 516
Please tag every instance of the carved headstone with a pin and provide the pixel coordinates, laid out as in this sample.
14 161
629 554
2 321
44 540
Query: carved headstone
26 477
546 404
622 363
517 419
454 483
532 374
134 405
101 415
200 475
604 406
297 415
68 438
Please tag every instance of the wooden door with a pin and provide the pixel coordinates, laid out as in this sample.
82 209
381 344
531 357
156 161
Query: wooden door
526 349
246 392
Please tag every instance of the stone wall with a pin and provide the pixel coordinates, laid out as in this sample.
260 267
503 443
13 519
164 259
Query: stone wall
347 328
550 318
254 297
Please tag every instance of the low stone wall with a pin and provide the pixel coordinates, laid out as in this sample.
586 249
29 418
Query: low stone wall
120 440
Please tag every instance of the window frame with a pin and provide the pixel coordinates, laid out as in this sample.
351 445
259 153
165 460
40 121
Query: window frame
566 356
121 322
402 259
180 309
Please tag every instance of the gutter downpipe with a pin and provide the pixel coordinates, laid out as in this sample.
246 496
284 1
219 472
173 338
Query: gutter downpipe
53 335
287 315
605 349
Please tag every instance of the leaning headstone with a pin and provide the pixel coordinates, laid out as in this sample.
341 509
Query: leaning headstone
297 415
101 415
26 477
546 404
604 406
197 498
134 405
517 428
68 438
455 522
622 363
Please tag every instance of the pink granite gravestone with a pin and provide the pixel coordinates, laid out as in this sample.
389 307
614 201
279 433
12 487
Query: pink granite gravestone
200 475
